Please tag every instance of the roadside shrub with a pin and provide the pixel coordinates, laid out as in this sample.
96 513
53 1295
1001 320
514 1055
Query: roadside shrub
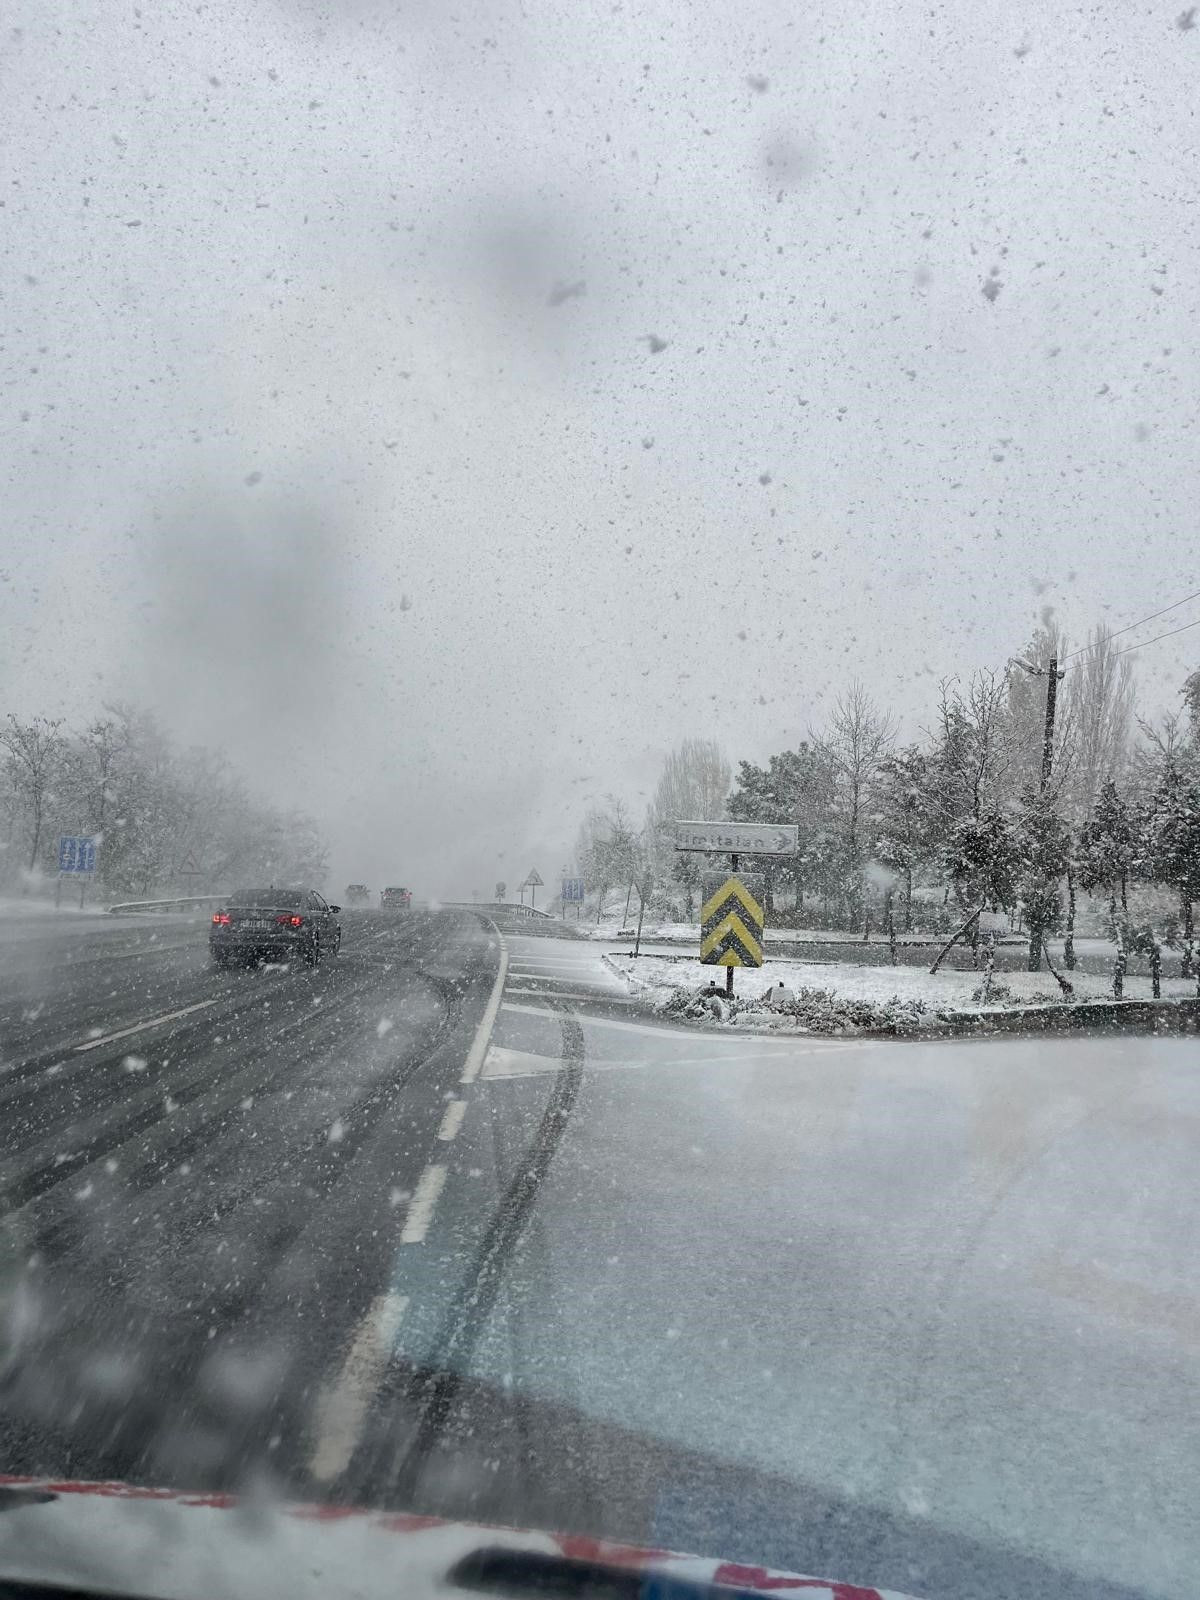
812 1010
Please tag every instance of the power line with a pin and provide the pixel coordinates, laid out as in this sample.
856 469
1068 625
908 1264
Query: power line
1158 636
1153 615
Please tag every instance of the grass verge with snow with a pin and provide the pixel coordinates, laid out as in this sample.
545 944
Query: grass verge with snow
840 997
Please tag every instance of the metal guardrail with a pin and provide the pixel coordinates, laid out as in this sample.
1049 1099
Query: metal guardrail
184 902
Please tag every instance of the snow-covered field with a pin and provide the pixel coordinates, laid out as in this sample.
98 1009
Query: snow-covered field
658 977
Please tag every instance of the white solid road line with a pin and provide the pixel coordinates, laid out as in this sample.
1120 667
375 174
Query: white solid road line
537 963
421 1207
452 1121
140 1027
570 977
795 1044
601 996
342 1408
487 1022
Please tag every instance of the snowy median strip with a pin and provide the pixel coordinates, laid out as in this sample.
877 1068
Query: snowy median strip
842 997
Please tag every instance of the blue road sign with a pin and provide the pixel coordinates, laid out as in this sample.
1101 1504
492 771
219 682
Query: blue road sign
572 890
76 853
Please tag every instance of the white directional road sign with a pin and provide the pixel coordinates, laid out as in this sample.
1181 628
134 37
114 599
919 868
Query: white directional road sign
739 838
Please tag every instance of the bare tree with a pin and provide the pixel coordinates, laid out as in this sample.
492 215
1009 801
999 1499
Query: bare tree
1098 718
973 756
858 739
694 786
33 753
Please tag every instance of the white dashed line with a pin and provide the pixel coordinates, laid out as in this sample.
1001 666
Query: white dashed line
421 1207
140 1027
488 1021
342 1409
452 1121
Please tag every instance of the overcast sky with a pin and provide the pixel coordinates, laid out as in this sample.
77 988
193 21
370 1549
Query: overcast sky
447 409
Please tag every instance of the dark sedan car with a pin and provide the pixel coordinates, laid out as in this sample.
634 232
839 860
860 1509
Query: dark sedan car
275 924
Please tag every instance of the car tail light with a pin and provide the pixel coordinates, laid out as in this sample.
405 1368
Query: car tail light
221 918
290 922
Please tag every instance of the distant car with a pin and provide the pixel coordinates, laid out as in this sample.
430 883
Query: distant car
394 899
280 924
357 894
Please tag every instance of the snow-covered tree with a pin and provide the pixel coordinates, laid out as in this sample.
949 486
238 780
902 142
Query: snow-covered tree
693 786
906 829
971 756
799 787
980 857
1042 846
858 738
33 754
1168 844
1105 848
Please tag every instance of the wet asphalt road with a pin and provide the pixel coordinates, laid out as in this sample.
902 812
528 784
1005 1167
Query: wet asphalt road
920 1314
198 1212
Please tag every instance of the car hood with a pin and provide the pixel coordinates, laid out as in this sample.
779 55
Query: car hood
123 1540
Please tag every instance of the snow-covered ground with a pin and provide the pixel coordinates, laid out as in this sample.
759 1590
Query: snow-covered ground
15 906
689 933
659 976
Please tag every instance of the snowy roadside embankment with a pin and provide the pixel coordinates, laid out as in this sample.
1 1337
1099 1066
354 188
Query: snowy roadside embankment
840 997
688 933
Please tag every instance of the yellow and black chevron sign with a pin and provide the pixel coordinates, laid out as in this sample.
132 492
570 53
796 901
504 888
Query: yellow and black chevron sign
731 926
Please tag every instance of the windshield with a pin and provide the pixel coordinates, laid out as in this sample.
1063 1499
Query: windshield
709 488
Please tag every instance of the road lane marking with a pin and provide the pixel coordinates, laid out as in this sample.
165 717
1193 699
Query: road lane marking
613 998
421 1207
505 1063
795 1044
535 962
488 1021
342 1408
452 1121
140 1027
576 975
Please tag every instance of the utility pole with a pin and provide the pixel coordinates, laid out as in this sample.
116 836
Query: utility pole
1052 676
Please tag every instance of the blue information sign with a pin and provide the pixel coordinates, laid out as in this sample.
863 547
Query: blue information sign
76 853
572 890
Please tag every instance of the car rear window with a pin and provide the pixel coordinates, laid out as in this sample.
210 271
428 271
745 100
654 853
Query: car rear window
267 898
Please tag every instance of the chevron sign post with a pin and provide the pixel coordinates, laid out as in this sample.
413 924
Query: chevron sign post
731 922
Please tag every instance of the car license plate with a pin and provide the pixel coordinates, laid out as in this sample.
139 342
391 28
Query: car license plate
256 924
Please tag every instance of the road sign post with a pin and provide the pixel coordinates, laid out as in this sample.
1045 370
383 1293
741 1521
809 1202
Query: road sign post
76 858
731 923
732 919
533 883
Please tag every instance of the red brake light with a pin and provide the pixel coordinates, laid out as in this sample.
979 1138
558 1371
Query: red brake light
291 922
221 918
